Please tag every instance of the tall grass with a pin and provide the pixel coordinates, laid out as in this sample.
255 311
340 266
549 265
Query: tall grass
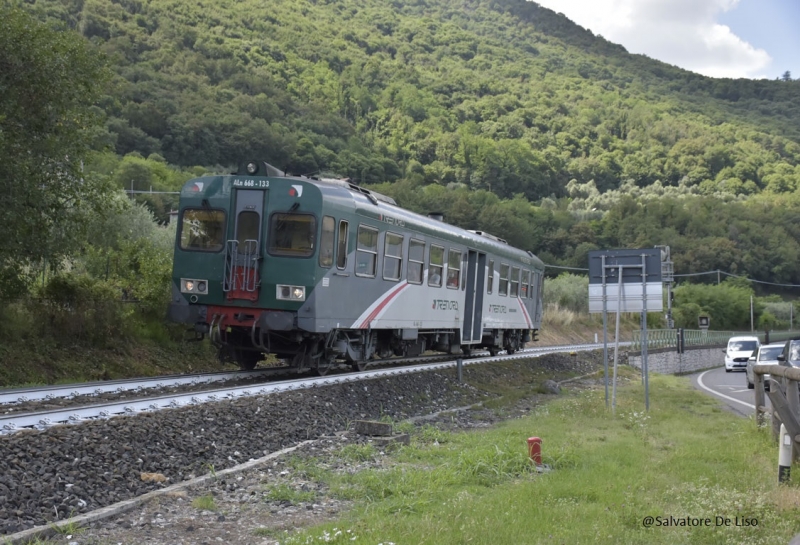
685 458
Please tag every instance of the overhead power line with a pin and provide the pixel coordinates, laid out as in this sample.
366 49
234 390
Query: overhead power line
720 272
717 272
567 268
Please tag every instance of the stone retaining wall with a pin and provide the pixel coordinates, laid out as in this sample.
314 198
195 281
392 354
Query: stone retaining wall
667 361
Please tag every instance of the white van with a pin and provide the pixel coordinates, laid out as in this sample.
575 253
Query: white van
738 351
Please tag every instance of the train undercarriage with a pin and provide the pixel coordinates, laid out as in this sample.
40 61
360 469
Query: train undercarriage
320 352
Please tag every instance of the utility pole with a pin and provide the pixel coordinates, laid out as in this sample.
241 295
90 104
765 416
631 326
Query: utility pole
667 278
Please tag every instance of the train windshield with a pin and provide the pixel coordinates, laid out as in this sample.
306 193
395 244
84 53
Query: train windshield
202 230
292 234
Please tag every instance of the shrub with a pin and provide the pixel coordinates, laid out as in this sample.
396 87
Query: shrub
80 308
568 291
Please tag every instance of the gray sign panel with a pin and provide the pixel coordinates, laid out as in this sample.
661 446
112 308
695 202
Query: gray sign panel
635 289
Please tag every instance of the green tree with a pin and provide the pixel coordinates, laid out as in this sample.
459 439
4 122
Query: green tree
727 304
49 80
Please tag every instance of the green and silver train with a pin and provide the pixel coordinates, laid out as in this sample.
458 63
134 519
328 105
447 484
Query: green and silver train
322 272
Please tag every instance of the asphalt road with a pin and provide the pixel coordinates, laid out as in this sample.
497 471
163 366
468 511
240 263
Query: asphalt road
728 387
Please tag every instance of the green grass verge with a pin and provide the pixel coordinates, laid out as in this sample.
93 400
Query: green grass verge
687 457
51 362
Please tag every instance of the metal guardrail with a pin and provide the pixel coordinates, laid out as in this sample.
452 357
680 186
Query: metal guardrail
785 414
668 338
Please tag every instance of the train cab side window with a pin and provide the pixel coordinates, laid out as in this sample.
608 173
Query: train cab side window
366 251
503 288
202 230
435 265
490 280
326 242
514 281
392 256
292 235
526 275
453 269
416 261
341 252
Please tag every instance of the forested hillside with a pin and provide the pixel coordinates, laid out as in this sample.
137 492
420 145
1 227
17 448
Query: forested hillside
490 100
500 95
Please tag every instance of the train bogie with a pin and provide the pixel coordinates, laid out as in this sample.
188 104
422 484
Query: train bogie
321 272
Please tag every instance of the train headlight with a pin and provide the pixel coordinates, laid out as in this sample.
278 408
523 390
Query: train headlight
192 285
252 168
290 293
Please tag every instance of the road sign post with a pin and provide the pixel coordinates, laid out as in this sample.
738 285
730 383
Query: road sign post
628 280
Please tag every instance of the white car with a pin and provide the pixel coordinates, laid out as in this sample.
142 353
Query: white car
767 354
738 351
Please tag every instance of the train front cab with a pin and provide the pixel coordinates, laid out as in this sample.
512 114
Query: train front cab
245 244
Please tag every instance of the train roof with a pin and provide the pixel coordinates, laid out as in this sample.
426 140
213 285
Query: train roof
385 209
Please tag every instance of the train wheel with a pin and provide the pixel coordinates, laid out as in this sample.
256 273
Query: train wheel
358 365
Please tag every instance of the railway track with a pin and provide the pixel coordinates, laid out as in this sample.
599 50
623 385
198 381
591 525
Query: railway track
29 408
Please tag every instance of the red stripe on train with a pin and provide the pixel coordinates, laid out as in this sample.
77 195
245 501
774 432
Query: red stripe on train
381 306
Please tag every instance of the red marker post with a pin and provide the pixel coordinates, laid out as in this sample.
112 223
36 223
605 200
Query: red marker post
535 450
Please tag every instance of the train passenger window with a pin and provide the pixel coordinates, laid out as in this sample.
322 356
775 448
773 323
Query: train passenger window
503 288
326 242
453 268
202 230
523 288
392 256
514 281
366 251
292 234
435 265
490 280
416 261
341 255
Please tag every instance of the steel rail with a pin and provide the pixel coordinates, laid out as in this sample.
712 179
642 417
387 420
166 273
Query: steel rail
11 396
45 393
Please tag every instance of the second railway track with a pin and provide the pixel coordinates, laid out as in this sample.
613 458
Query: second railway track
27 408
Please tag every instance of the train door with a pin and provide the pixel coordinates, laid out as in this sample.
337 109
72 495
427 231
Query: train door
242 252
473 306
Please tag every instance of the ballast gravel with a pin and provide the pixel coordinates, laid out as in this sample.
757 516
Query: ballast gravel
51 475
